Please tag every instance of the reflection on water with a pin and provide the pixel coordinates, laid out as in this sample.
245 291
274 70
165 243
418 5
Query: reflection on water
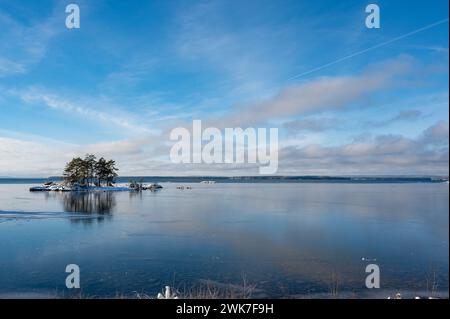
135 195
88 202
98 204
84 207
288 239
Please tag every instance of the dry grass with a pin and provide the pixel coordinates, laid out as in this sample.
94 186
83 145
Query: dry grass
211 290
334 285
432 285
206 290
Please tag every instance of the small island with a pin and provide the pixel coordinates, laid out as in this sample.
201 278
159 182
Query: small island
90 174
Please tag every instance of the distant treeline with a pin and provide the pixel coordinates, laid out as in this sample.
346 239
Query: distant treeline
254 179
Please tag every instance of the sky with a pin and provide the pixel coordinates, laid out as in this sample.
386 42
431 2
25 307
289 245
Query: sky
347 100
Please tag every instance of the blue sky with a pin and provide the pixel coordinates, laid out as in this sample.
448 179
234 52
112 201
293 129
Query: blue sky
137 69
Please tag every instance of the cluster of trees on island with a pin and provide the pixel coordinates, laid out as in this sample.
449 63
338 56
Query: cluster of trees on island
89 171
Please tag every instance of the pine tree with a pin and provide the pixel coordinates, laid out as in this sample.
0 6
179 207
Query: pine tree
89 171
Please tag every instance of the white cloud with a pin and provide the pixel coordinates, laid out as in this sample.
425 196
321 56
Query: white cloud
313 124
117 148
31 156
436 134
383 154
85 107
8 67
24 45
20 158
321 94
245 63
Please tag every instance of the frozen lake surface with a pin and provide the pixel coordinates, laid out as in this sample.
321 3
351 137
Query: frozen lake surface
286 239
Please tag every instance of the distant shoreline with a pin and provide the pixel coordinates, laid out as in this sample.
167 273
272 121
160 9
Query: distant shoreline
252 179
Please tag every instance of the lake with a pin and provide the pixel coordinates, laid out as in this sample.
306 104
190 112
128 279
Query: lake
285 240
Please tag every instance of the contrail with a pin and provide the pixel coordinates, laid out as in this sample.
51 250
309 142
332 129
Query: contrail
370 49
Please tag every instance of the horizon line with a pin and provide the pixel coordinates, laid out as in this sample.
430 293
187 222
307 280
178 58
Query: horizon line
255 176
